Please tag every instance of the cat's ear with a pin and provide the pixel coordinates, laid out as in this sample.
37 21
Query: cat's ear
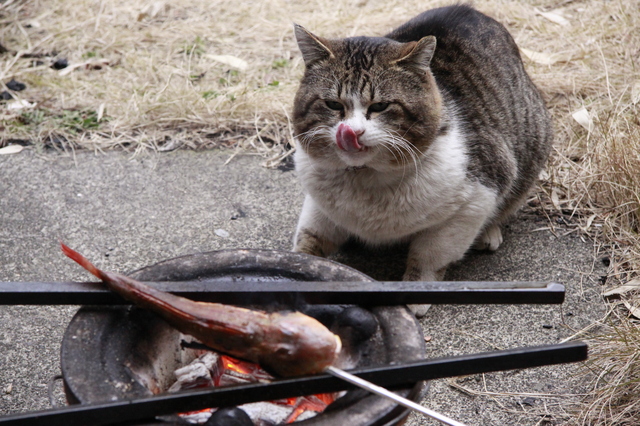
313 48
418 54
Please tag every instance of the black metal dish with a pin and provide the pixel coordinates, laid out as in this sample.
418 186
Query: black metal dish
117 352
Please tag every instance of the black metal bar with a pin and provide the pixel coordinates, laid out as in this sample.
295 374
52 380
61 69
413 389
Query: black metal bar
375 293
389 376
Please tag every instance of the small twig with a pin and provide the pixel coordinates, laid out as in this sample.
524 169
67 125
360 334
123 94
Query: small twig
490 344
25 34
236 152
451 382
292 141
587 328
606 73
6 4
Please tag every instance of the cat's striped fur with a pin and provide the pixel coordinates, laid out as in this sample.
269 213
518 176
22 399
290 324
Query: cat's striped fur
432 134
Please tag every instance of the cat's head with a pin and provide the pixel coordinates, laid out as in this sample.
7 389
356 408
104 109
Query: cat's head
366 101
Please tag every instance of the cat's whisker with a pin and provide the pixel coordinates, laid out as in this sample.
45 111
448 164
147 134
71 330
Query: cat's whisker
315 131
414 157
396 151
407 157
402 146
396 134
408 151
312 134
393 151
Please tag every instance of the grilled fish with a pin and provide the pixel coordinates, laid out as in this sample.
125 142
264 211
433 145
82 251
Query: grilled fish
286 344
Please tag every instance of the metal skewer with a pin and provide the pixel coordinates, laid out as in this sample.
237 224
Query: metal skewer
385 393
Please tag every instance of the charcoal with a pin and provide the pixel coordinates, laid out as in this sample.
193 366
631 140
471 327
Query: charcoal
360 323
229 416
326 314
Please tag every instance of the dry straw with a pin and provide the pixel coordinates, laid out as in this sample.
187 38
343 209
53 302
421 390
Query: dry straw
162 75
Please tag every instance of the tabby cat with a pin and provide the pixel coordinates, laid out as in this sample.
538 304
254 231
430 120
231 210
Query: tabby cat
431 135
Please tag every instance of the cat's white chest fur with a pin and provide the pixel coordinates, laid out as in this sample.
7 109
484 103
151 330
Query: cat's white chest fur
393 205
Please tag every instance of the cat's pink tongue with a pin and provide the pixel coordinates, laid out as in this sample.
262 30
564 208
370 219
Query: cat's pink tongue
347 139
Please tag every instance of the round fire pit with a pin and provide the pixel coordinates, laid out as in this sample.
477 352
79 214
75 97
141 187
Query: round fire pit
122 352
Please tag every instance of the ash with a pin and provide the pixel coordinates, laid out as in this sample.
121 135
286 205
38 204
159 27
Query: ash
210 369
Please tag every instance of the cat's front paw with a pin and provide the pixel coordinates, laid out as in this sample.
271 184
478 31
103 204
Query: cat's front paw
310 243
419 274
414 273
490 239
419 310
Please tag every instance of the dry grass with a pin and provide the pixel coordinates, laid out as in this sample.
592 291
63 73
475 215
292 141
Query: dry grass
594 175
615 361
148 76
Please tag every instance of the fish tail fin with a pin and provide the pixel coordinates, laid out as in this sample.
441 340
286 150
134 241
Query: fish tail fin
81 260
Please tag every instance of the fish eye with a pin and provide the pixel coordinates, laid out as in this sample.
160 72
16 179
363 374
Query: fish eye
334 105
378 106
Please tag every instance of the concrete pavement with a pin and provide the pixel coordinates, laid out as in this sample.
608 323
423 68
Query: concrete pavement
125 213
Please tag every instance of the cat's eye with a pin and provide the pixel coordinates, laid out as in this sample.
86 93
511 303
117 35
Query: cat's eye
336 106
378 106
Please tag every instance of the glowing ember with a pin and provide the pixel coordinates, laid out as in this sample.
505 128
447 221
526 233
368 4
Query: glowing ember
307 403
220 370
233 371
